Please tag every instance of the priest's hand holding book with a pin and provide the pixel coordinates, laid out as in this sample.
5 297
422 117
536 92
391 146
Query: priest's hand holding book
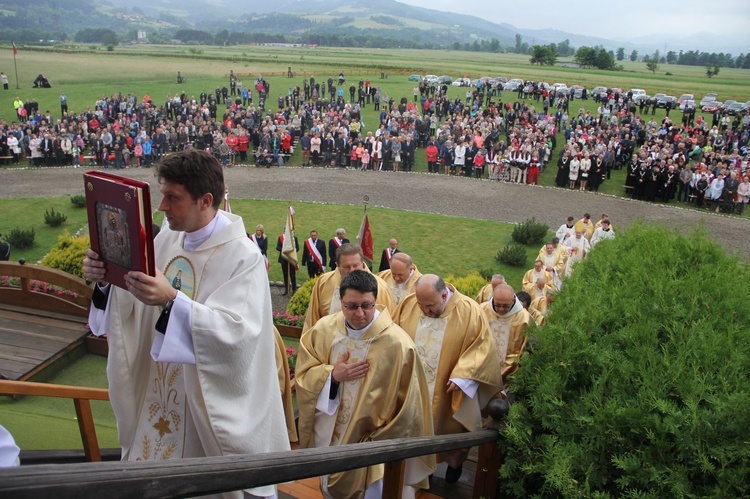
156 290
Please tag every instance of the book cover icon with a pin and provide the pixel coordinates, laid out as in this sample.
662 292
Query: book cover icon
120 224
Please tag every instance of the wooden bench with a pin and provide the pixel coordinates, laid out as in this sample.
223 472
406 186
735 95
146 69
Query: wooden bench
5 160
43 315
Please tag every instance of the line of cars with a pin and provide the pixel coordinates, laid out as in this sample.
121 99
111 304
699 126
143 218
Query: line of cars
684 103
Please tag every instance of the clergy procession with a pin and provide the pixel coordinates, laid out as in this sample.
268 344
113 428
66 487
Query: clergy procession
390 355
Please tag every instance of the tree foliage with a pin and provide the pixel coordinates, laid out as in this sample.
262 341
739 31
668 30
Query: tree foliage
637 385
712 71
652 66
594 57
544 55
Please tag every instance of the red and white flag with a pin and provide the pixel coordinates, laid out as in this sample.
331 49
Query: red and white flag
15 49
364 239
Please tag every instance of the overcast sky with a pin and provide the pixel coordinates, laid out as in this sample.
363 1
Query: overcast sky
618 20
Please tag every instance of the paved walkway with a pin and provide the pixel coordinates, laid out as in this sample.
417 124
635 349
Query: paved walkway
420 192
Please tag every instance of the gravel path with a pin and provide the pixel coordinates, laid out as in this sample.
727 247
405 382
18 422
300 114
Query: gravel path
420 192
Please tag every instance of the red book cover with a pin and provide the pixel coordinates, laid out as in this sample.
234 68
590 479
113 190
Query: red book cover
120 224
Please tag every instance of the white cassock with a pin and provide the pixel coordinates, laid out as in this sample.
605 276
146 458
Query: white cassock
198 390
578 248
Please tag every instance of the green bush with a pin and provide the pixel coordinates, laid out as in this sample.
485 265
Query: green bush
468 285
21 239
78 201
68 254
530 232
301 299
513 255
638 385
54 218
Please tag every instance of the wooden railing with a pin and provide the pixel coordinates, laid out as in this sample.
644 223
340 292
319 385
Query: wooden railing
200 476
81 397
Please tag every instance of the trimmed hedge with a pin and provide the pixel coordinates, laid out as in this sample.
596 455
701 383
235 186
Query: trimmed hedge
68 254
468 285
638 384
512 254
301 299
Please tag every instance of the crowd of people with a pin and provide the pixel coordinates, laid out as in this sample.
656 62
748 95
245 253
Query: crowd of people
480 136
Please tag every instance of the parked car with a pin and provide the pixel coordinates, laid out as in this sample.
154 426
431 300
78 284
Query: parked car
599 91
746 107
637 94
684 97
660 100
712 107
461 82
687 105
708 99
733 108
431 79
513 84
577 91
445 80
560 88
414 78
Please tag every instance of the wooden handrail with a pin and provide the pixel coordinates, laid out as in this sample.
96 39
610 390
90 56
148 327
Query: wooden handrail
81 397
200 476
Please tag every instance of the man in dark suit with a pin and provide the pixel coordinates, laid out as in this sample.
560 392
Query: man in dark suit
314 255
334 244
289 270
385 259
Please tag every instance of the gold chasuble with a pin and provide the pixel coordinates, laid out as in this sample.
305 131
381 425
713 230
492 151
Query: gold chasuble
325 300
285 384
390 401
398 293
484 294
455 345
509 334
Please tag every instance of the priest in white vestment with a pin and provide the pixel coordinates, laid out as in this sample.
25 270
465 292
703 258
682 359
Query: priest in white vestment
192 372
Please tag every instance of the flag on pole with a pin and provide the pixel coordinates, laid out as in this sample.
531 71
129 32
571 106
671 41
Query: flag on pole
227 208
15 49
288 250
364 239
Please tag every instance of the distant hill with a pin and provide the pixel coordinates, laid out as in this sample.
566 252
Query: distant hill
383 20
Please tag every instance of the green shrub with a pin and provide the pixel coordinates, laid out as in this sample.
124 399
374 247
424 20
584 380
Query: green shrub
54 218
68 254
637 385
513 255
21 239
301 299
530 232
78 201
468 285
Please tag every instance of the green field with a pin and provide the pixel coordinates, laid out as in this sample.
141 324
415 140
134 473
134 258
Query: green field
85 72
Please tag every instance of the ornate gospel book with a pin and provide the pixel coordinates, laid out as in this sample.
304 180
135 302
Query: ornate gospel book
120 224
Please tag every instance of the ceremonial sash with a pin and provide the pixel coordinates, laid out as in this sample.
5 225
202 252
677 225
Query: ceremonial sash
388 255
313 250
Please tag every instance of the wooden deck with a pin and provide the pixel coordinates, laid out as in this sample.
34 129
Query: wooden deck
39 324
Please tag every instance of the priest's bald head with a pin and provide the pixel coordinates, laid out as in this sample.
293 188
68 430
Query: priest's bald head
349 257
432 295
503 299
401 267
